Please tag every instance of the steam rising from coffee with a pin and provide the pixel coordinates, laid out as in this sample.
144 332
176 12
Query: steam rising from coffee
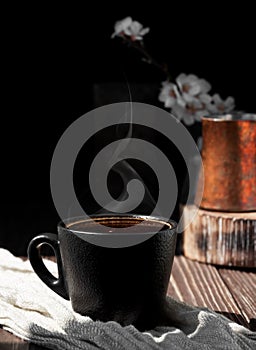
135 149
115 156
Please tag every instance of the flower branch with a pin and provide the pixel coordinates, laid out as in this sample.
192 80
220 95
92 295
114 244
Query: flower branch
147 57
187 96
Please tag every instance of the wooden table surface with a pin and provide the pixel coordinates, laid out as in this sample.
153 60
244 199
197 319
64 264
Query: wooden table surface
228 291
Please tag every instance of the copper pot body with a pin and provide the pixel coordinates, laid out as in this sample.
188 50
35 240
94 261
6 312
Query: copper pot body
229 159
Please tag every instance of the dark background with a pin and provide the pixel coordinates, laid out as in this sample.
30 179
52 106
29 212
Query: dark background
53 57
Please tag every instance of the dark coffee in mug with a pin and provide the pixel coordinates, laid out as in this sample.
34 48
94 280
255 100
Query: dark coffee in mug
112 225
127 284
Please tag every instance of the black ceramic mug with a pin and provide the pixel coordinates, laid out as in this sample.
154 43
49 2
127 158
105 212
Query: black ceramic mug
128 284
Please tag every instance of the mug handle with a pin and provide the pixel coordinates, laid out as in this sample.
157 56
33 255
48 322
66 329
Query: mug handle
56 284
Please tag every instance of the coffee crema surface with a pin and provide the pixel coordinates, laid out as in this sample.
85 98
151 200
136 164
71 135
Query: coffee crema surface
113 224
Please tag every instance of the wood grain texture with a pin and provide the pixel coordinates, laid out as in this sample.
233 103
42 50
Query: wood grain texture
243 286
201 285
222 238
9 341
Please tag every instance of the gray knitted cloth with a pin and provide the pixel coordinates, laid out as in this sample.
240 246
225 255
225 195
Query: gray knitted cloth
30 310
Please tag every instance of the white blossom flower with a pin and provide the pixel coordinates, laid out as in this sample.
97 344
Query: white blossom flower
221 106
136 31
194 99
188 99
193 111
121 26
191 85
130 28
168 94
206 99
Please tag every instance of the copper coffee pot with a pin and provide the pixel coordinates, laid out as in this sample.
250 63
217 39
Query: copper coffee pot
229 159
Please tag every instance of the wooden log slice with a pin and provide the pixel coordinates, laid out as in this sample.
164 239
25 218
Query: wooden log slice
221 238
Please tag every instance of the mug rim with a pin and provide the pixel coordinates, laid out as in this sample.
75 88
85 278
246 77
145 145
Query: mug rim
168 222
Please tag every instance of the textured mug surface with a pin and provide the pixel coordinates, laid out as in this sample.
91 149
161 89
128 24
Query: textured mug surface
127 285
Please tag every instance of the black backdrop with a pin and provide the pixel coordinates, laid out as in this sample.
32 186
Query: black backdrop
53 56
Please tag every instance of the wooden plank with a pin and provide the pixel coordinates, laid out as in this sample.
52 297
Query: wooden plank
201 285
9 341
243 286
